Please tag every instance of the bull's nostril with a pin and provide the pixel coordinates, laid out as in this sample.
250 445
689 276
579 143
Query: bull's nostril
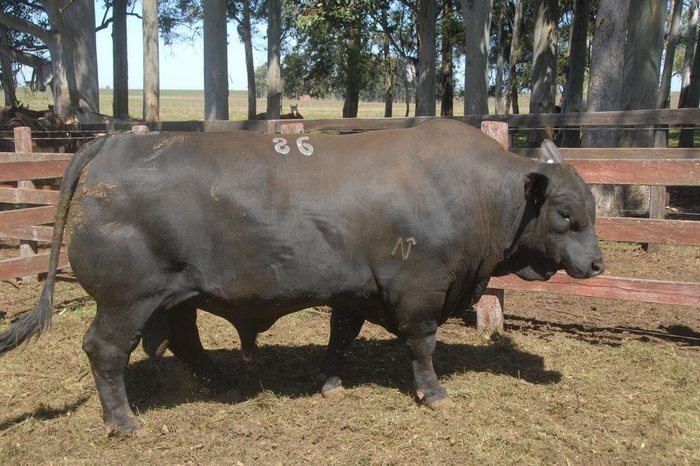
597 267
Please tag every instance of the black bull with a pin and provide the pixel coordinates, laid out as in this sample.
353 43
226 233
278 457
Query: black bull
399 227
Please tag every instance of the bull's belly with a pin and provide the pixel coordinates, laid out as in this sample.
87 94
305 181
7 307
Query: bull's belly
116 263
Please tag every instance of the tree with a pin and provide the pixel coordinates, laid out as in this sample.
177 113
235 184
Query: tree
690 40
120 70
645 41
448 36
690 89
69 35
573 97
664 97
261 81
477 27
605 81
388 65
243 14
7 72
151 64
544 66
426 16
274 73
215 61
500 60
353 74
693 97
400 31
513 87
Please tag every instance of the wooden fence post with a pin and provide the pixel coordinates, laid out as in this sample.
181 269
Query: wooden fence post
23 143
489 309
657 194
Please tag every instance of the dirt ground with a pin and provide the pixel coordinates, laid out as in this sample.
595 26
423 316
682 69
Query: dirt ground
571 381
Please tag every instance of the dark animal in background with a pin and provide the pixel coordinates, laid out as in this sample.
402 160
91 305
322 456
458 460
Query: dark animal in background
293 115
401 228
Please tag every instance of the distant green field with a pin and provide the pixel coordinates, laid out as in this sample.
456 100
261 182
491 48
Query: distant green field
181 105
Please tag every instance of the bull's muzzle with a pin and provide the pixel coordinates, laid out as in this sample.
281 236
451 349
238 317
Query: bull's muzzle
597 267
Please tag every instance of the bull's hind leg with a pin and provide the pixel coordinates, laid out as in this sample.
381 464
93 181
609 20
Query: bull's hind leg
344 329
186 344
108 342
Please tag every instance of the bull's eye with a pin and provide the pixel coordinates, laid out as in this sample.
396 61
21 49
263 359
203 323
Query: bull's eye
566 216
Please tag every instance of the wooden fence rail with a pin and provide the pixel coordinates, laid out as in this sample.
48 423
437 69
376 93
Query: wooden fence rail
646 166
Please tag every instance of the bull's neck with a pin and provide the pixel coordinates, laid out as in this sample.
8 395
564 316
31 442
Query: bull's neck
509 206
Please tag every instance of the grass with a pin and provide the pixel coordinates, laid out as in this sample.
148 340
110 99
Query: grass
523 398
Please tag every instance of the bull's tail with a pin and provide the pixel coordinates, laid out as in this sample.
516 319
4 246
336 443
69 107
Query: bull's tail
36 322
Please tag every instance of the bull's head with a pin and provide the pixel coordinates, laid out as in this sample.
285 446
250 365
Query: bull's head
557 231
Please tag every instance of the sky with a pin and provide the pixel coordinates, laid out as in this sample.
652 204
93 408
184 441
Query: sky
181 65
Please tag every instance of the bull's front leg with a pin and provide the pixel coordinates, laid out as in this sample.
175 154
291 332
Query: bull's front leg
344 329
421 348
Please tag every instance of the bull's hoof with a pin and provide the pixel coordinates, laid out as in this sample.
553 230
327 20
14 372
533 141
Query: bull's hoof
436 399
333 393
440 404
132 428
332 388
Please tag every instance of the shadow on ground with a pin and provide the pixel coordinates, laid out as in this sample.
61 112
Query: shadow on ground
612 336
292 371
42 413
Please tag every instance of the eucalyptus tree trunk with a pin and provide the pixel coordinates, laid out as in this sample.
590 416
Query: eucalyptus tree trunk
690 40
477 25
446 71
215 61
605 88
605 81
498 94
249 62
691 72
664 97
693 99
426 18
353 74
645 42
151 64
544 66
513 86
120 71
73 52
8 79
274 73
573 99
387 68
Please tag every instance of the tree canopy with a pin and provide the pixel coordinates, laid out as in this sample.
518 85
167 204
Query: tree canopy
415 51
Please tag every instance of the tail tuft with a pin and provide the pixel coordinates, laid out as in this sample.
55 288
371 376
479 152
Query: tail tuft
29 325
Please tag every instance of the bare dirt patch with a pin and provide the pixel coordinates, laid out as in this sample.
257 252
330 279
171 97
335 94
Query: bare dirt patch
573 380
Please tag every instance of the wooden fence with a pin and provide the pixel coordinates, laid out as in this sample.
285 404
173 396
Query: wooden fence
31 208
638 166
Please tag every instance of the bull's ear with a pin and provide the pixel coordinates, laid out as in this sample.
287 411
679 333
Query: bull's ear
550 153
536 187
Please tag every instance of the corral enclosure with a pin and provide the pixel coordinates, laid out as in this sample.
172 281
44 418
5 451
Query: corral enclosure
573 380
